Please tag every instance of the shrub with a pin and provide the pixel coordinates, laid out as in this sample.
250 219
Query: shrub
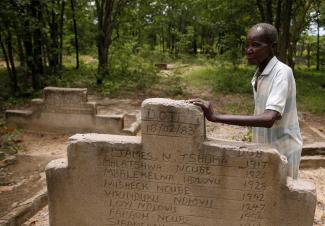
9 139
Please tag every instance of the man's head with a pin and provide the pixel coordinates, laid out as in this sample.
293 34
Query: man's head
260 43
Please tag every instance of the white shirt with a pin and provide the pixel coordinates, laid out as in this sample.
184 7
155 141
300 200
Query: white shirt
276 90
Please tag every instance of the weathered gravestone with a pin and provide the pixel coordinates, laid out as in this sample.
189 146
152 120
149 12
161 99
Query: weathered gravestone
67 110
172 175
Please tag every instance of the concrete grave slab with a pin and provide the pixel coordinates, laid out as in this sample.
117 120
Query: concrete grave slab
173 175
67 110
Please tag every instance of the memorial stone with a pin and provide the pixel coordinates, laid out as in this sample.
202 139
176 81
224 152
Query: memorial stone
67 110
173 175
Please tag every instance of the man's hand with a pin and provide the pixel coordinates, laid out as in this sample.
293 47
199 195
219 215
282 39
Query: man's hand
206 107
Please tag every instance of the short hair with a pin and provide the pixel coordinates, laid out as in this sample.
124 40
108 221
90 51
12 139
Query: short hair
271 33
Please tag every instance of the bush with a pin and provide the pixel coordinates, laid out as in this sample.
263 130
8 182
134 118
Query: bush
310 90
232 81
129 70
9 139
223 79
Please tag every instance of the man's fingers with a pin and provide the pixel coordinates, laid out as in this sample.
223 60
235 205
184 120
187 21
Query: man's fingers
194 100
200 105
197 100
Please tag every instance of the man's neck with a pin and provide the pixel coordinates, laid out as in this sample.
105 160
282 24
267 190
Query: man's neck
262 65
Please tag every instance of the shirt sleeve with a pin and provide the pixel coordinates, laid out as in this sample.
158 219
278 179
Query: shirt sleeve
279 92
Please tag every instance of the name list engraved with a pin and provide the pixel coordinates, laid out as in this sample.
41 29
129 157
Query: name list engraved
169 188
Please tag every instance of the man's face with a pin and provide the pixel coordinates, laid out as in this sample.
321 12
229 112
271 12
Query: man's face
257 47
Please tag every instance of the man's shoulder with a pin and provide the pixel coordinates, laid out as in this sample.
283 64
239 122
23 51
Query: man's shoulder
281 70
280 66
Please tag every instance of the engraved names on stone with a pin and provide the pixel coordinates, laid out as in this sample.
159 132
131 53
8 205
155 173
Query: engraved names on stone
174 176
139 186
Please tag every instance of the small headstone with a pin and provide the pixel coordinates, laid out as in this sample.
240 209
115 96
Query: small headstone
172 175
58 96
67 110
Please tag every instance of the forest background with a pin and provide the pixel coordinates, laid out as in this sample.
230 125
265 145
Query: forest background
112 46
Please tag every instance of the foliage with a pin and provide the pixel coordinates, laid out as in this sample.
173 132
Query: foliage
9 139
129 70
310 90
70 77
175 86
126 40
224 79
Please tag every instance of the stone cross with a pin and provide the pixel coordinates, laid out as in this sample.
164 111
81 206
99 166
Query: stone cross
173 175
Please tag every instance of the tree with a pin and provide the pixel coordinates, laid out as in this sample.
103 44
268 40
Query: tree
108 13
290 18
6 41
318 22
75 30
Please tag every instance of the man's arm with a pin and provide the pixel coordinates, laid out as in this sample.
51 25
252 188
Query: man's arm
266 119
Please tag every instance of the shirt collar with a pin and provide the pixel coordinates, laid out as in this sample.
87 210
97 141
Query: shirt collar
270 65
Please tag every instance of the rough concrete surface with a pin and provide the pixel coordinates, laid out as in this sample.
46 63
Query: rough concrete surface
173 175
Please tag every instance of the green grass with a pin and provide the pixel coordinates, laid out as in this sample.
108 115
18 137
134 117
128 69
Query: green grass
311 91
231 87
224 80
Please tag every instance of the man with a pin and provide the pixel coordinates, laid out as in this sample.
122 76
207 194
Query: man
275 119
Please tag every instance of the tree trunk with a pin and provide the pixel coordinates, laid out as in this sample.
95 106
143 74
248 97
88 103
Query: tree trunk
308 55
21 54
28 44
268 12
302 48
291 55
104 37
4 51
278 15
61 32
75 32
260 9
13 78
285 34
163 39
318 47
169 37
297 25
54 46
194 44
37 38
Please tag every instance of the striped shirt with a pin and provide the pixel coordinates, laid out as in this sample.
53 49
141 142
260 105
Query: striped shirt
276 90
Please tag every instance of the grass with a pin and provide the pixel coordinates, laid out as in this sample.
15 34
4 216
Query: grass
231 87
225 82
222 79
311 91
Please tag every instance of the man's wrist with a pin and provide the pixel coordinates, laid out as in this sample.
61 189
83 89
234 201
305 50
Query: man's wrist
213 117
